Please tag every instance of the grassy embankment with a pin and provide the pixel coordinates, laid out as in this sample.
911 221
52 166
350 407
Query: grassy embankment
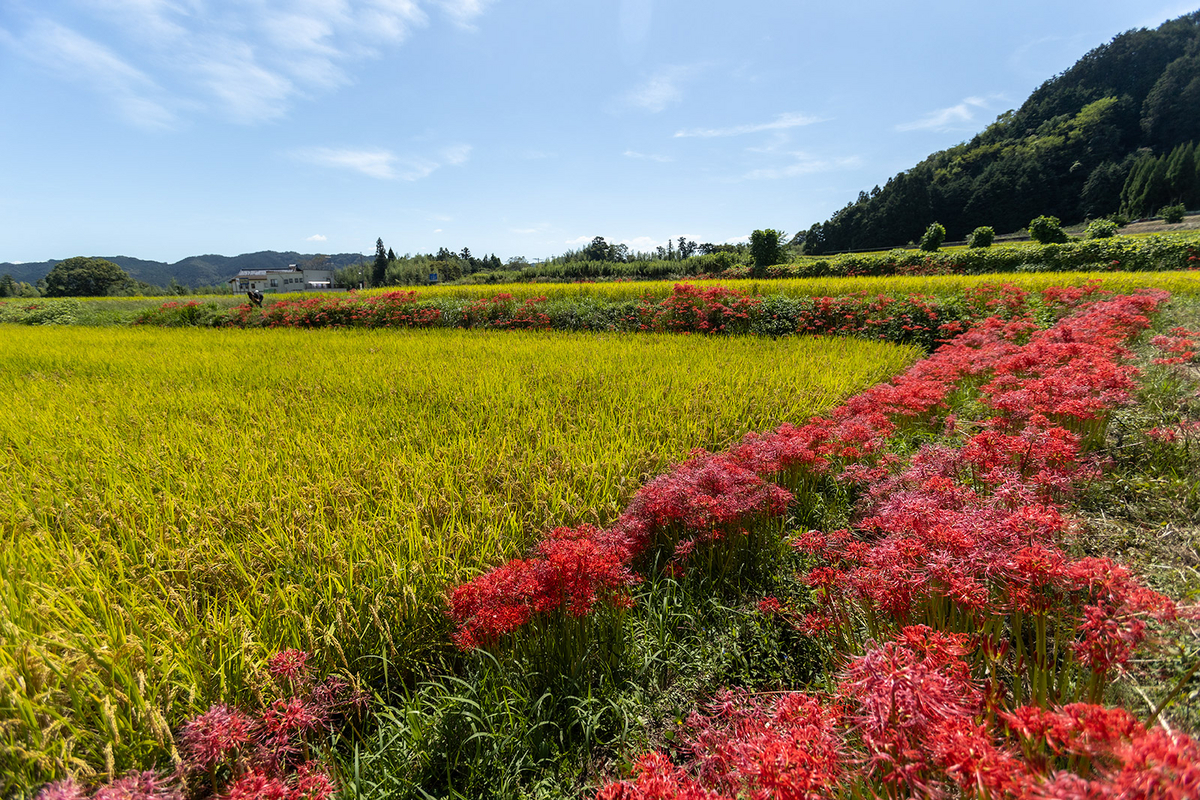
106 311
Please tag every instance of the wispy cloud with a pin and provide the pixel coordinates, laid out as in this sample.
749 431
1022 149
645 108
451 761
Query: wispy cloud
647 156
372 163
78 59
804 164
248 62
782 122
383 164
456 154
956 117
662 89
244 89
464 12
316 237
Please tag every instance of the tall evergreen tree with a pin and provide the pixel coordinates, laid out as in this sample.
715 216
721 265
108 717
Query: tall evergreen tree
379 269
1181 174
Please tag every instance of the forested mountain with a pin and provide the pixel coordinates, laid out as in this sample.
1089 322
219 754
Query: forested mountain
206 270
1106 136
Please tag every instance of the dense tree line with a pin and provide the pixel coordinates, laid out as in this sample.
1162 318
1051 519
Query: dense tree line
1157 181
1070 151
388 269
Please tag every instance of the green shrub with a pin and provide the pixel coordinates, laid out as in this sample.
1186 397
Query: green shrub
40 312
1173 215
933 237
983 236
1047 230
1100 229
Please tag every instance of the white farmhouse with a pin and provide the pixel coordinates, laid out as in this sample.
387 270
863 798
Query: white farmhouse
292 279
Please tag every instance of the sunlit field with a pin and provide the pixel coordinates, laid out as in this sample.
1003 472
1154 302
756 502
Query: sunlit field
177 504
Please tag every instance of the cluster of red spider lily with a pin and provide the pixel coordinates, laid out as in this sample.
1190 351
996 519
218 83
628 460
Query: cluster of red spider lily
503 312
956 557
1179 345
908 719
228 754
695 309
397 309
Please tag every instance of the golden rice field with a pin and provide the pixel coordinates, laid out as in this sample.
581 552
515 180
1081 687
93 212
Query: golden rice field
177 504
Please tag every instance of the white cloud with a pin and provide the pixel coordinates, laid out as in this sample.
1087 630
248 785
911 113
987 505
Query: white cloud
803 164
642 244
661 89
946 119
249 62
464 12
247 91
76 58
382 164
316 237
372 163
782 122
647 156
580 240
456 154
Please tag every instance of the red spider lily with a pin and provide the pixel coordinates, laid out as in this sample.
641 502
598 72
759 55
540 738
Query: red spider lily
770 606
210 738
290 666
146 785
571 571
1179 345
255 785
1128 761
66 789
293 717
656 778
785 746
312 783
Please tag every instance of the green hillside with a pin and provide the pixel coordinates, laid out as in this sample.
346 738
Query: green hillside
1114 133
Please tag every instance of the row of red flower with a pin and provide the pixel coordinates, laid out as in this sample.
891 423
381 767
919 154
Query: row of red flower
688 309
964 539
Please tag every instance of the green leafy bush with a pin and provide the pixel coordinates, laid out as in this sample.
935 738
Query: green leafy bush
1100 229
1047 230
983 236
41 312
1172 215
933 237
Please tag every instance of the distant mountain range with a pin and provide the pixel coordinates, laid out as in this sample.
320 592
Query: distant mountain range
208 270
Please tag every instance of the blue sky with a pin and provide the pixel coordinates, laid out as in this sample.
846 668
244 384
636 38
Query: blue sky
161 129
